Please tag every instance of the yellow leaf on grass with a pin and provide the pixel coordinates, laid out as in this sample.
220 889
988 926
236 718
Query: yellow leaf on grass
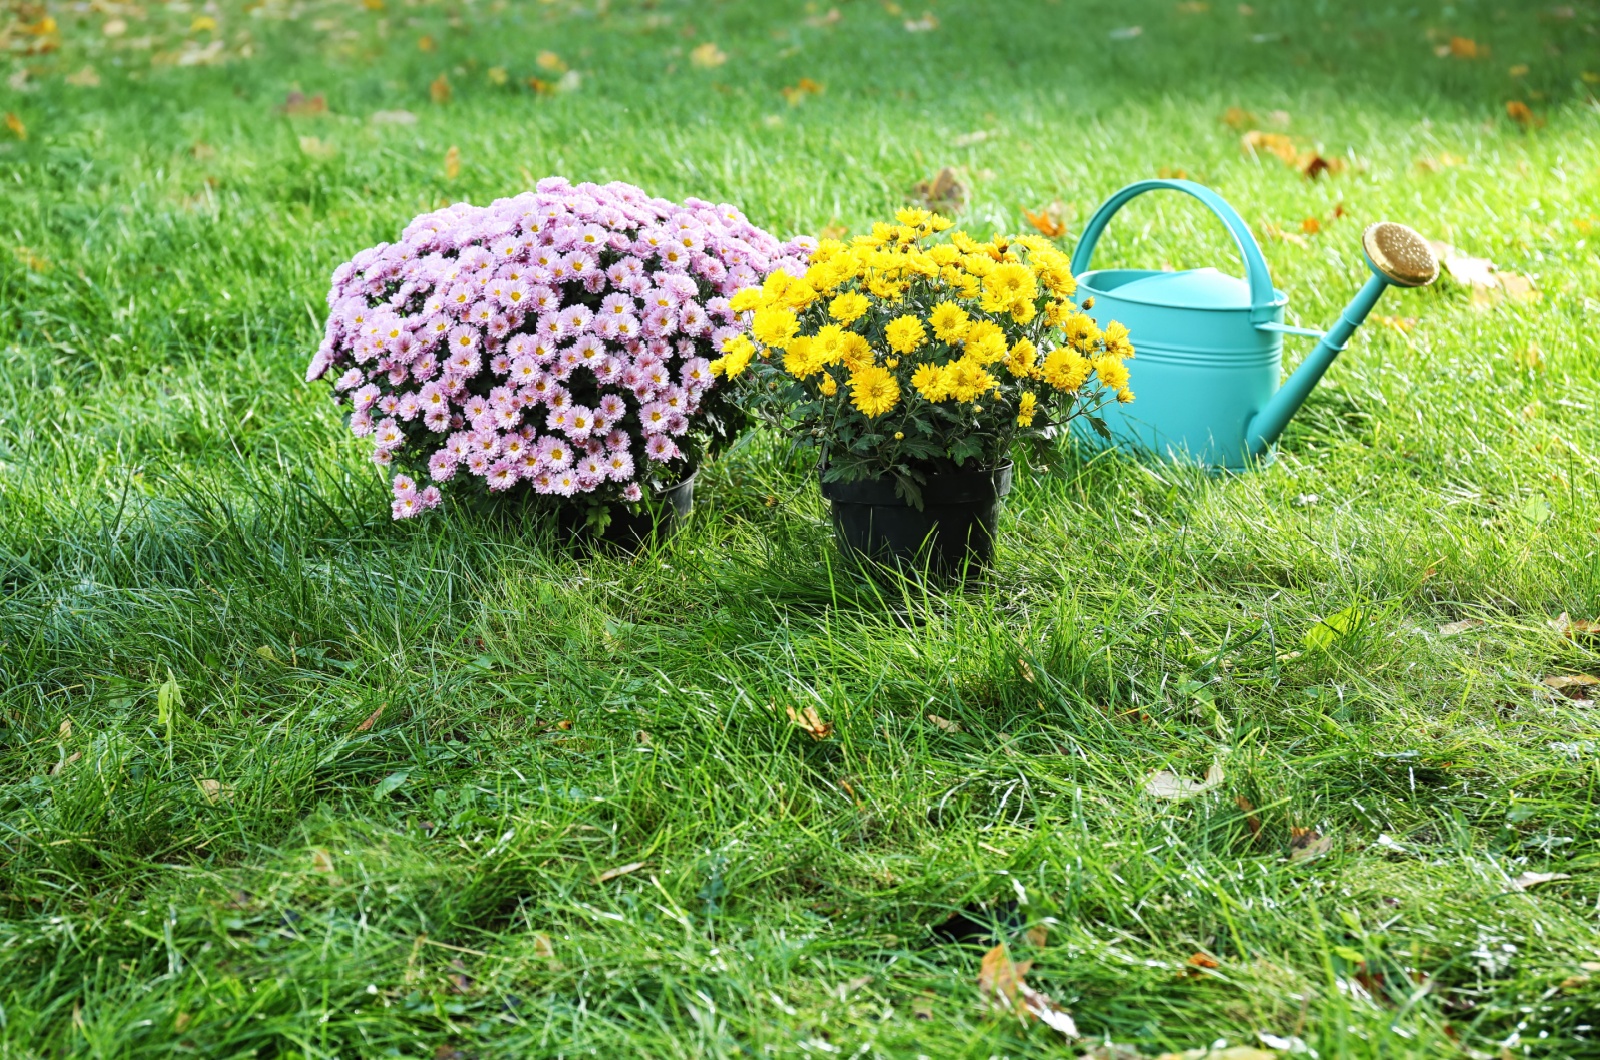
795 94
1001 982
452 163
371 719
1277 144
1533 879
1238 118
1307 843
1522 114
1562 683
708 55
1047 222
550 61
1519 70
215 791
321 860
203 24
14 123
1450 629
315 147
621 870
300 105
498 76
87 77
808 720
439 90
944 723
425 43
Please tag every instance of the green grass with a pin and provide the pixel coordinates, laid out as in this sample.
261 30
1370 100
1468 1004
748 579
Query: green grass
178 509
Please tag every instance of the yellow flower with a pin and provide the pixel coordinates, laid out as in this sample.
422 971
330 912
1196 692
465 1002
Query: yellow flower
908 216
874 391
939 224
1116 337
1124 395
1027 408
1023 310
747 298
931 381
800 361
899 436
949 322
737 351
905 334
1112 372
986 343
1007 284
774 327
944 254
827 345
848 307
828 386
968 380
857 352
1081 330
1020 361
1066 369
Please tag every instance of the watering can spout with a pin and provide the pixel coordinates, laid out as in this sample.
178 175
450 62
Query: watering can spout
1398 257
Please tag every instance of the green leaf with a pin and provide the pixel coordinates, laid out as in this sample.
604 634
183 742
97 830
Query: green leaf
1331 630
1352 955
388 784
1537 511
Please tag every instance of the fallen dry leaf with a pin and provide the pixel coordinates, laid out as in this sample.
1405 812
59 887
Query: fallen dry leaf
1311 226
1434 163
1048 223
1037 935
796 94
56 769
439 90
298 104
1572 681
550 61
1522 114
1000 981
460 981
546 951
452 163
944 194
14 123
708 55
425 43
1236 1052
393 117
1462 48
1165 784
621 870
87 77
944 723
64 730
1312 165
1201 959
922 1007
1534 879
1277 144
1126 32
1251 821
371 719
1238 118
497 76
215 791
810 722
321 860
926 24
1308 843
1450 629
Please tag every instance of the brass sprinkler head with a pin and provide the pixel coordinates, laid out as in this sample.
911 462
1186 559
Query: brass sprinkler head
1399 254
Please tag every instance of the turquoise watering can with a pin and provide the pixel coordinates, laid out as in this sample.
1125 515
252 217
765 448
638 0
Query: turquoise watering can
1210 346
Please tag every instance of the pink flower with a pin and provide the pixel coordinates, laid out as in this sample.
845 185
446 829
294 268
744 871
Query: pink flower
661 449
632 493
619 465
442 465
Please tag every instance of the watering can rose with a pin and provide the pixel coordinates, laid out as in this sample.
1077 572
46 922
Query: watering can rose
898 354
556 343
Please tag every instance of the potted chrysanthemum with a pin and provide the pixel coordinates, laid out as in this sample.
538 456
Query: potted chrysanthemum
554 346
914 364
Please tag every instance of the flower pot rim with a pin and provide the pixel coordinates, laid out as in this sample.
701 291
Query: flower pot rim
941 488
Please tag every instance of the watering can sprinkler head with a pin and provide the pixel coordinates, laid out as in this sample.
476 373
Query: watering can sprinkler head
1399 254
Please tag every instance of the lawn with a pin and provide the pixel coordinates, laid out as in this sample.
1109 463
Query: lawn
281 777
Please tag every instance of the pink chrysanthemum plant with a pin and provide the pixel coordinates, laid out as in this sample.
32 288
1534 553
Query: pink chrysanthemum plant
557 343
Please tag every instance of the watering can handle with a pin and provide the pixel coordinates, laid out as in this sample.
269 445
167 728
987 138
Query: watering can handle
1262 297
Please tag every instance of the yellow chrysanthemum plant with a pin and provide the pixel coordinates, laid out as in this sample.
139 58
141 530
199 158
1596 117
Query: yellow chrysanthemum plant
909 351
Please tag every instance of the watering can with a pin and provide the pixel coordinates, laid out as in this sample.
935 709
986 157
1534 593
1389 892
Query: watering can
1210 346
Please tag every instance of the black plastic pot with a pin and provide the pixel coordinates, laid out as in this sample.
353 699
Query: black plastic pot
952 533
627 531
